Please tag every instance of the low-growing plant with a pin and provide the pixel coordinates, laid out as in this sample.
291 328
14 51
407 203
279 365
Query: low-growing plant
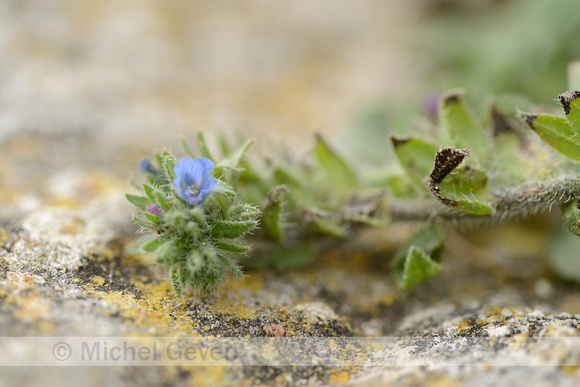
199 209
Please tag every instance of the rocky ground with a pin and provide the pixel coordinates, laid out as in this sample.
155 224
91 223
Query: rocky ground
497 313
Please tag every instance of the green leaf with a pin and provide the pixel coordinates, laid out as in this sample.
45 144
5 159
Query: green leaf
418 267
233 162
153 218
175 278
143 223
288 176
356 217
186 147
563 254
510 160
202 146
459 125
570 101
465 179
415 156
271 216
327 226
474 207
232 266
399 185
149 192
199 217
231 230
162 200
139 201
571 217
243 212
170 252
192 228
335 167
556 131
194 261
152 245
446 161
168 163
420 259
229 246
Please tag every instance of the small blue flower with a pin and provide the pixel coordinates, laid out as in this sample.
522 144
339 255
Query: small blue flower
193 179
146 166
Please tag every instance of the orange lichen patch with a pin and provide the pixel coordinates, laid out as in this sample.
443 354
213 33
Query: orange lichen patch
234 310
572 370
156 312
341 376
46 326
207 376
465 324
27 303
491 321
98 280
496 310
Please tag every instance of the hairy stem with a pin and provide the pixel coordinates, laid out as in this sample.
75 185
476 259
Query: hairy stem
513 203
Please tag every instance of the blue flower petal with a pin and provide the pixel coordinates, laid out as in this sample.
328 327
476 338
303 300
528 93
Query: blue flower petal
193 178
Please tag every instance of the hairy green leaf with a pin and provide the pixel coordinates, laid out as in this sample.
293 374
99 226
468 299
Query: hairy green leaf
186 148
232 266
570 101
140 221
415 156
153 218
459 125
556 131
420 258
571 215
243 212
335 167
138 201
465 179
563 254
168 163
149 192
327 226
202 146
229 246
231 230
152 245
272 214
233 162
474 207
162 200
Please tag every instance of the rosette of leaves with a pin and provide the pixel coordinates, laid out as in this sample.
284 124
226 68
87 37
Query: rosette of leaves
195 221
